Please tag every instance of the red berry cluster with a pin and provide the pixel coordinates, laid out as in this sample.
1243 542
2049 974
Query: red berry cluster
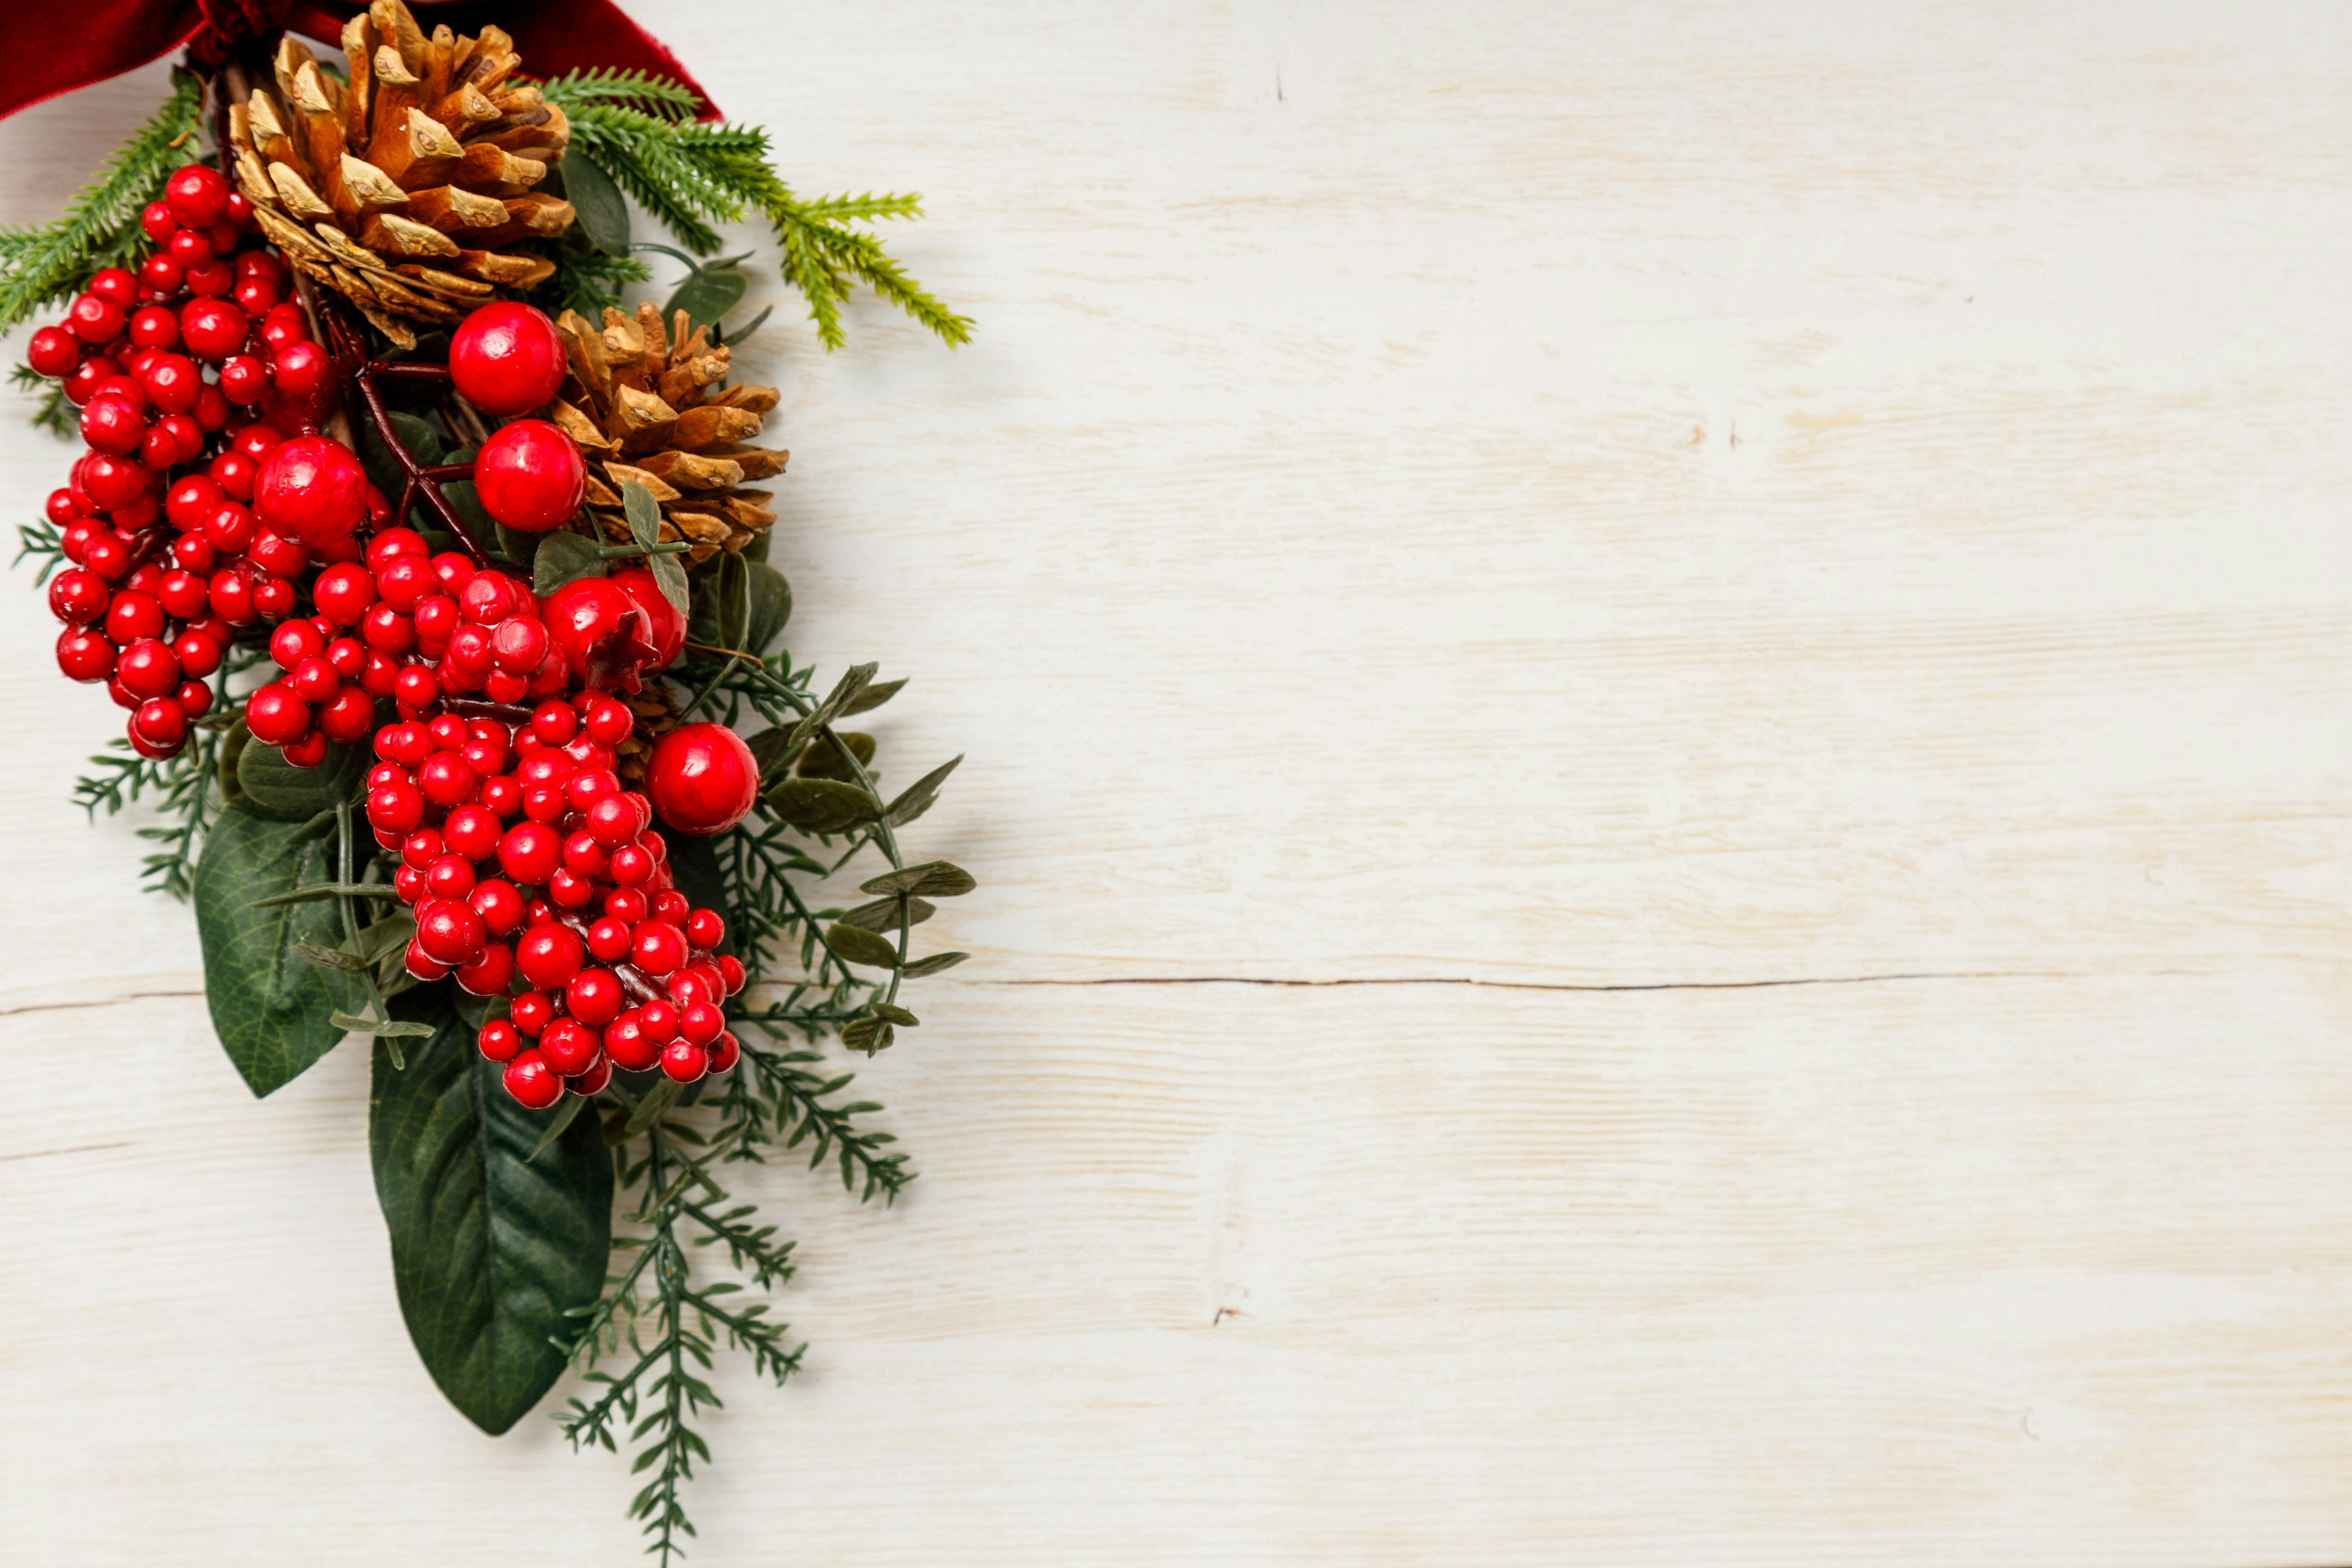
523 856
160 364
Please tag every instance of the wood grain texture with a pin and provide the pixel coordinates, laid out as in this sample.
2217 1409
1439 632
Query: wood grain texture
1799 547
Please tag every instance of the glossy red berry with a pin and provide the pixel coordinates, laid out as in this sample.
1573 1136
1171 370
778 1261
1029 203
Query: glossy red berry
531 853
684 1060
85 656
658 948
197 195
161 722
199 652
506 359
549 955
706 929
213 329
302 371
532 1082
54 351
529 476
499 1040
626 1044
593 996
569 1046
702 778
490 974
95 319
312 489
501 905
449 931
79 596
531 1012
450 877
725 1051
147 668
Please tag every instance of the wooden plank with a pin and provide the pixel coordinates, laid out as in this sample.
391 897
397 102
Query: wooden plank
1800 551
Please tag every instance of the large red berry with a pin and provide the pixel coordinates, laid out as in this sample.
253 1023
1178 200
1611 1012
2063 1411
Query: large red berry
584 613
529 476
312 487
507 359
449 931
275 714
85 656
213 329
79 596
663 620
197 196
549 955
532 1082
703 779
54 351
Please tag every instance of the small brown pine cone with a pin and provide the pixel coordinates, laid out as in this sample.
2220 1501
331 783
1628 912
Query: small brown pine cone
656 707
651 403
406 186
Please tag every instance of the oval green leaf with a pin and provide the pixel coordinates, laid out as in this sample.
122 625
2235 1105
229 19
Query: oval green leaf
820 805
770 603
933 878
858 945
490 1246
707 294
603 216
272 1010
563 557
275 788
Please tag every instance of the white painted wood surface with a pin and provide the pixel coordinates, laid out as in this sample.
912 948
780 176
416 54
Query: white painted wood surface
1801 547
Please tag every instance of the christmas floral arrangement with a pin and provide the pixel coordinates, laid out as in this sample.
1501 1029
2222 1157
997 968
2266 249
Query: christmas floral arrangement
435 583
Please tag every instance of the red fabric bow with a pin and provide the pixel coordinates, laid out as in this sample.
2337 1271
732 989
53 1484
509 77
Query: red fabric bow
56 46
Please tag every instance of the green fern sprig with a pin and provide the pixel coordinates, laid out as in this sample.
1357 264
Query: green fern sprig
51 414
44 262
690 177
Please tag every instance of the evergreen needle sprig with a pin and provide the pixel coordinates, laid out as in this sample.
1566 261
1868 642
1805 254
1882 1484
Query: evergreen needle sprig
43 262
641 130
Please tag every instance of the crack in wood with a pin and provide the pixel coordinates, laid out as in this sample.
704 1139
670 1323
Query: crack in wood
94 1002
1612 986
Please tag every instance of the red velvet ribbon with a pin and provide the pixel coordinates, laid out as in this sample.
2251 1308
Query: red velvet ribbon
56 46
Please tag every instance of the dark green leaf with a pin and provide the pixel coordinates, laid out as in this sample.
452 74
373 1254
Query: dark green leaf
874 696
671 578
313 892
490 1248
563 557
275 789
693 866
823 758
271 1010
857 945
521 549
736 334
936 879
733 598
707 294
845 692
330 958
898 1015
603 216
920 793
382 1029
882 914
657 1099
934 963
768 750
771 600
557 1124
644 513
867 1034
820 805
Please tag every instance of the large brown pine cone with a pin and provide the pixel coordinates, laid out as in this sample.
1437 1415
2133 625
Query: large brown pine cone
404 187
648 404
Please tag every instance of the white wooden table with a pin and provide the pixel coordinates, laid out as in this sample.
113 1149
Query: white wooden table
1660 703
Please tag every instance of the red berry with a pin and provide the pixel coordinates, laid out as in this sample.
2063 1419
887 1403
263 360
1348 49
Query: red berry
85 656
531 853
532 1082
705 929
343 593
702 778
276 715
197 195
506 359
95 319
160 276
446 780
531 1012
569 1046
302 371
273 597
256 296
348 716
232 596
420 849
278 556
147 668
665 622
499 904
519 644
199 653
632 865
449 931
489 598
568 890
625 1043
158 221
658 948
211 279
586 612
133 616
699 1023
549 955
112 424
472 832
54 351
608 939
172 380
194 698
391 808
499 1039
490 974
659 1022
314 680
182 594
684 1060
308 751
213 329
161 722
529 476
312 488
78 596
386 630
593 996
295 641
